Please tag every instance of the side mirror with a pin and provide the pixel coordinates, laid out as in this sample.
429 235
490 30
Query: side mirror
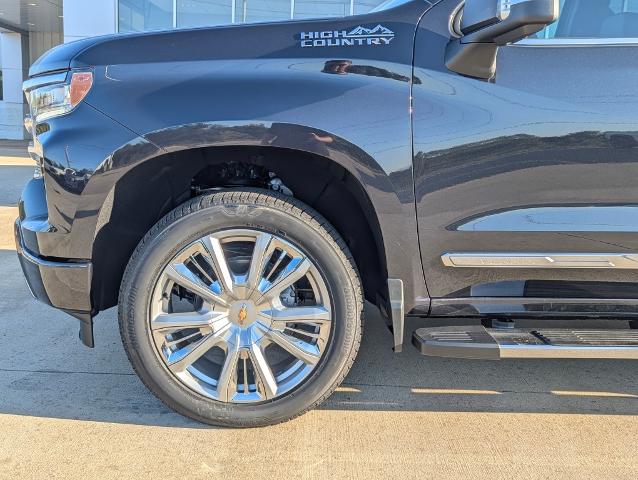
485 25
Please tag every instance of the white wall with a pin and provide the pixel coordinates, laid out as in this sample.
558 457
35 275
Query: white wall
88 18
12 105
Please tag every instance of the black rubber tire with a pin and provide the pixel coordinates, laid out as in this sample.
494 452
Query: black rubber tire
266 211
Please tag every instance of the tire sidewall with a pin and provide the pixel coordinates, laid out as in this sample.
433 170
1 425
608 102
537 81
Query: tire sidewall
163 244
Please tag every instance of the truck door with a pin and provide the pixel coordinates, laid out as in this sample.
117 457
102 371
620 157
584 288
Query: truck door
526 185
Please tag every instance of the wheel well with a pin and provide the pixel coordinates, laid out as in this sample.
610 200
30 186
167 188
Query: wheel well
151 190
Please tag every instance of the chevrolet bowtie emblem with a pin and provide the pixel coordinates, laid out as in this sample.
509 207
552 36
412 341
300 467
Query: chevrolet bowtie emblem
243 313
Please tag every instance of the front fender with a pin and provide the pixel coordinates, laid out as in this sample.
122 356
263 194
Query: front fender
390 194
352 107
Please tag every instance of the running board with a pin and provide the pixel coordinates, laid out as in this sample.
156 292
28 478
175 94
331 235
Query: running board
480 343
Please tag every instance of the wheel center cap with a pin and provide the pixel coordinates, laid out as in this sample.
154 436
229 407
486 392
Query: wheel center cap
243 313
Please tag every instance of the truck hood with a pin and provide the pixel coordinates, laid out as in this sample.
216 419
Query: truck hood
232 41
59 58
247 41
265 40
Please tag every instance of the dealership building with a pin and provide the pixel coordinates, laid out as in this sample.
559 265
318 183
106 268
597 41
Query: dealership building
28 28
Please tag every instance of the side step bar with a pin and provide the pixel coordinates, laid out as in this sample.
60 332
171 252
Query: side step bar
477 342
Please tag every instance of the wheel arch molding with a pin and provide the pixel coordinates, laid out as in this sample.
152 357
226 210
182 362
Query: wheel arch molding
344 176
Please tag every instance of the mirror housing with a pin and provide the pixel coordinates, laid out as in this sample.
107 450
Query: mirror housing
486 25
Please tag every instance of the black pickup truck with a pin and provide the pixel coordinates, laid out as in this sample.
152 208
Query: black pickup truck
239 191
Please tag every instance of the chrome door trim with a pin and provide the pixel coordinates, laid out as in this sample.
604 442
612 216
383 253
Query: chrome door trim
541 260
576 42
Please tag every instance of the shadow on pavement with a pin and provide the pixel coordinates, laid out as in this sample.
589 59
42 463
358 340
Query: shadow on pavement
46 372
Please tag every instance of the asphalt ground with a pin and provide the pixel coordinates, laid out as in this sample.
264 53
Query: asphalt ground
70 412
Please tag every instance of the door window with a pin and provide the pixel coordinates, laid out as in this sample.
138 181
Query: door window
594 19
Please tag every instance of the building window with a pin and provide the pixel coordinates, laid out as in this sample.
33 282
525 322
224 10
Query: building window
322 8
361 7
253 11
201 13
145 15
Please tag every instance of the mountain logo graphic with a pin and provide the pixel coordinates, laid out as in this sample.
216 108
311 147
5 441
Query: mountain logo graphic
355 37
378 30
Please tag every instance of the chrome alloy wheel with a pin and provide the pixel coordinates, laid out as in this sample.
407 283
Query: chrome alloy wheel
240 316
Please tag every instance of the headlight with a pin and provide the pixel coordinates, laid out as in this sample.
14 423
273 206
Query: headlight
59 98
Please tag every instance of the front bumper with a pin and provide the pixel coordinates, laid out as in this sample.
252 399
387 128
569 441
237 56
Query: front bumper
59 209
63 285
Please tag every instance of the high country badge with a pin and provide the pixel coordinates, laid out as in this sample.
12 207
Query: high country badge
378 35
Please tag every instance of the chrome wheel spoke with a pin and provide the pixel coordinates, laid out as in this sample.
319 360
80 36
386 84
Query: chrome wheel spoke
304 351
312 315
227 383
267 384
302 332
183 358
182 276
217 258
293 272
262 251
280 259
173 343
167 322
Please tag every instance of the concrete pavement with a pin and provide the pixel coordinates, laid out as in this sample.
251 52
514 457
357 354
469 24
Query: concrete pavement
70 412
15 169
